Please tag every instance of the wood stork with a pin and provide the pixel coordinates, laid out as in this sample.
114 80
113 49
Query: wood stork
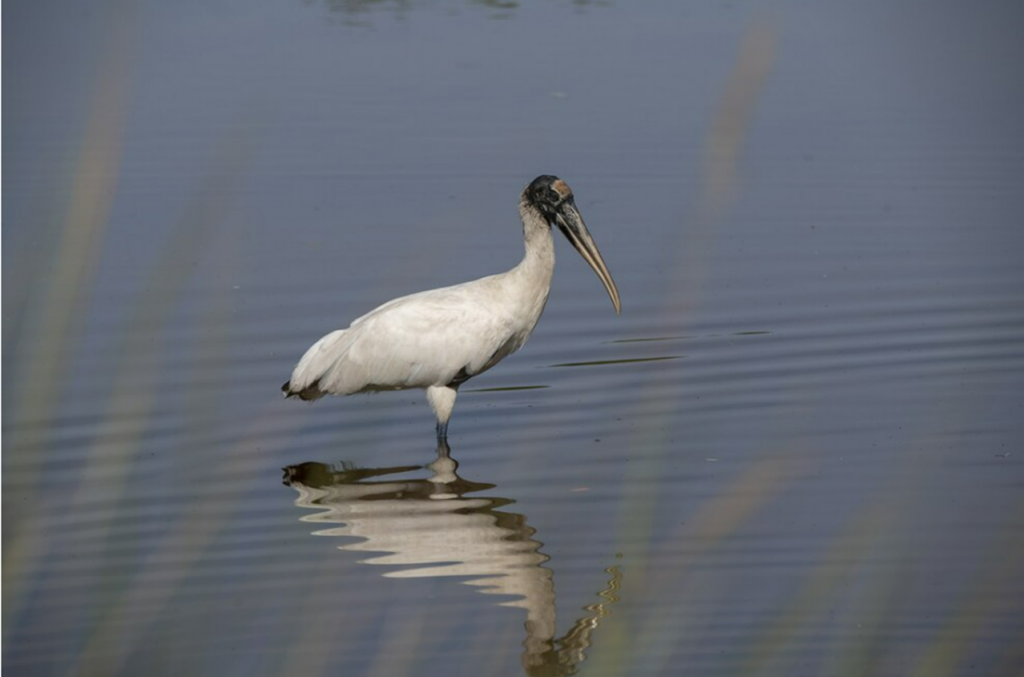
439 339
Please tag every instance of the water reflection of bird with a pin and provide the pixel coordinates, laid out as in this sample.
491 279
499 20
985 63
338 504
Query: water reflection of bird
434 527
438 339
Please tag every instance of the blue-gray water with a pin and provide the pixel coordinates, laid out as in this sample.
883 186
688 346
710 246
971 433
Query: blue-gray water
797 451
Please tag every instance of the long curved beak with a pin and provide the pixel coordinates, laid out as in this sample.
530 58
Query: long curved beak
571 224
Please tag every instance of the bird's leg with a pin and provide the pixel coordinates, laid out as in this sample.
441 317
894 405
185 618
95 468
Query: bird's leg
442 401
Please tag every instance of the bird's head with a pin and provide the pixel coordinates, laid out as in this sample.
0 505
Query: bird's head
548 194
553 198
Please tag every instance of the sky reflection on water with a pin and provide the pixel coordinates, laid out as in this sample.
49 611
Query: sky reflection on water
813 208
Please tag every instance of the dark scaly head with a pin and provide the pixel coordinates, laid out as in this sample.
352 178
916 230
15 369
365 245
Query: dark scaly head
553 198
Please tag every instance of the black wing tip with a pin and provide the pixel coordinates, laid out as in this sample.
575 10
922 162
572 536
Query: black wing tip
310 392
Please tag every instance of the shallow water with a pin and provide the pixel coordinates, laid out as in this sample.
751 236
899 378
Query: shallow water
797 451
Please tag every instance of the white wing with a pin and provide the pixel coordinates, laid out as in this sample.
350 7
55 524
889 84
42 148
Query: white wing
430 338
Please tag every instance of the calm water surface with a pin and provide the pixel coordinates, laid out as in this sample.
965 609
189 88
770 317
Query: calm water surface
797 451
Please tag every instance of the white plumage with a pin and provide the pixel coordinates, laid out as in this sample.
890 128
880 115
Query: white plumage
438 339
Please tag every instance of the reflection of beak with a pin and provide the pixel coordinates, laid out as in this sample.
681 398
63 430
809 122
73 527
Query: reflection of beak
571 224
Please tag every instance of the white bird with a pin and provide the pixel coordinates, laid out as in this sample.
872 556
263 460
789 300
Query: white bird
439 339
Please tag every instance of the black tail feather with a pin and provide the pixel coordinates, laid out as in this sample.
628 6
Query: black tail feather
310 392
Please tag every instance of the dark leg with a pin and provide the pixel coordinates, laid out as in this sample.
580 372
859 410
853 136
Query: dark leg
442 399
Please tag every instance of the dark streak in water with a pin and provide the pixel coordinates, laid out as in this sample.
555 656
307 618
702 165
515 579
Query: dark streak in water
649 340
634 359
505 389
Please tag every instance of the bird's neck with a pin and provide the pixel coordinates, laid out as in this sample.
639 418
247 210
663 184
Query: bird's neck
531 279
539 261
